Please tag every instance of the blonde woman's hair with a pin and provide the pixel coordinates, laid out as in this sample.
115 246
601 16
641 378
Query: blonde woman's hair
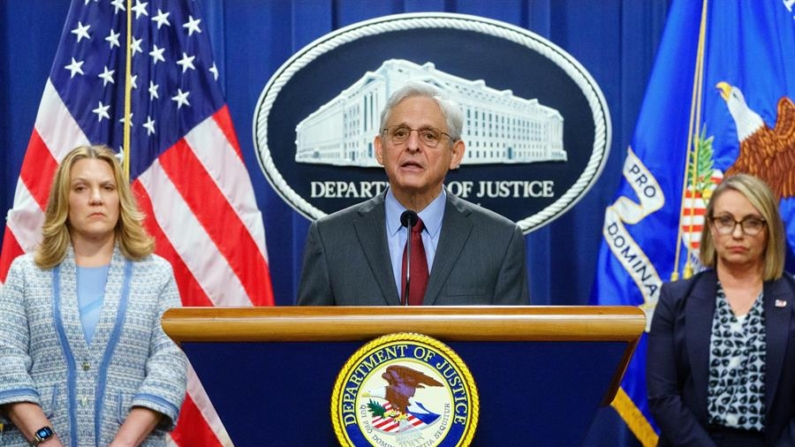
130 235
761 197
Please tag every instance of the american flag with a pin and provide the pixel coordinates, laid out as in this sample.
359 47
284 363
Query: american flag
184 159
391 425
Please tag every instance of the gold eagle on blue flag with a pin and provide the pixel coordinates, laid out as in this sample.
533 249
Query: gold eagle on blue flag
764 152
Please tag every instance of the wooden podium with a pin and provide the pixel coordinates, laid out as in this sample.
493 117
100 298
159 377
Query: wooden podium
541 372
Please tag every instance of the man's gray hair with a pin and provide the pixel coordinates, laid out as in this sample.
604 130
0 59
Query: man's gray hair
450 109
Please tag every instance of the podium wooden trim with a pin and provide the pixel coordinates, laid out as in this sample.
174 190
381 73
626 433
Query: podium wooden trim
454 323
464 323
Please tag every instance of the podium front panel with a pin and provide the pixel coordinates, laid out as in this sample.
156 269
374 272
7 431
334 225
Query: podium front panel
541 372
531 393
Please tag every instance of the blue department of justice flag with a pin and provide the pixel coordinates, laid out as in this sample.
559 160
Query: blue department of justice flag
718 103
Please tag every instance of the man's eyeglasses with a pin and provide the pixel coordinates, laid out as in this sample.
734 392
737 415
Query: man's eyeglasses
429 136
750 225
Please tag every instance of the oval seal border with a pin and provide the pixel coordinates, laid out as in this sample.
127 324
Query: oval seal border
578 74
419 341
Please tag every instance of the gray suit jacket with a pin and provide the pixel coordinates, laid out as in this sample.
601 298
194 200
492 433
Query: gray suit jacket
480 259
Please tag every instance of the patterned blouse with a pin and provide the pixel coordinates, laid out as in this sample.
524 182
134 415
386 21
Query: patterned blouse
736 389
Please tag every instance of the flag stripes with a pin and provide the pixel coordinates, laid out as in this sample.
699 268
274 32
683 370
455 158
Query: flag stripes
45 166
190 289
186 234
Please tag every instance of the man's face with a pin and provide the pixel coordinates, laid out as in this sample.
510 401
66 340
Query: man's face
415 170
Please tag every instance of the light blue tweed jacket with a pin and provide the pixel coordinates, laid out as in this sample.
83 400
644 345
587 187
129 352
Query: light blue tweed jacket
87 390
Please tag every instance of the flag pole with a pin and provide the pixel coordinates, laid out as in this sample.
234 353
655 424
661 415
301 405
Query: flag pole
127 92
692 145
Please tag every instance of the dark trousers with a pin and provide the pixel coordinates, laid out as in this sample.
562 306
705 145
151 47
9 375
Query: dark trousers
732 437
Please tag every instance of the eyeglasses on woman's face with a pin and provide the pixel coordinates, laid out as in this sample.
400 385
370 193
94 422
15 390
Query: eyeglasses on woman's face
750 225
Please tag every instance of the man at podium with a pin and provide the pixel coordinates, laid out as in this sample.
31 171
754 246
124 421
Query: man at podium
415 244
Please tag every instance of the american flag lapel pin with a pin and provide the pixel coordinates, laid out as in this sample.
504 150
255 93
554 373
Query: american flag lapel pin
781 303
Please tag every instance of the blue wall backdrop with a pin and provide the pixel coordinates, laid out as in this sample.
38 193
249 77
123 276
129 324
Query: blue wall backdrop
615 40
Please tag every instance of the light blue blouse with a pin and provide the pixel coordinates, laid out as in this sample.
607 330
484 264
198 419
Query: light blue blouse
90 296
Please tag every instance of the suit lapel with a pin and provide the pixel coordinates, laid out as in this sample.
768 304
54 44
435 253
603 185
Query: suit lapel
699 310
371 233
778 316
455 232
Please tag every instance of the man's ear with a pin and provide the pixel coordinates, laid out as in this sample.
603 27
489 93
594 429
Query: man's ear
379 150
458 150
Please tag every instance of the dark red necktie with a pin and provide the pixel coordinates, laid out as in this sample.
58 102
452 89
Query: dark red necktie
419 267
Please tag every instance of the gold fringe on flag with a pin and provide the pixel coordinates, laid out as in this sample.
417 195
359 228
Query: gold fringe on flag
634 419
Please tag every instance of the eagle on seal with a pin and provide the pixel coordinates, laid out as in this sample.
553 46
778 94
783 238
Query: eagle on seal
403 383
764 152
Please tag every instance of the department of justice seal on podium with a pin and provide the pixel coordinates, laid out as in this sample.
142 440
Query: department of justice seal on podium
403 390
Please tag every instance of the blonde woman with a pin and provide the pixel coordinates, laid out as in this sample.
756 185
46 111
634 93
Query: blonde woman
84 358
721 358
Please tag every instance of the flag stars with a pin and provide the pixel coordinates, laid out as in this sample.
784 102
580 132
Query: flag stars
153 91
136 46
119 5
186 62
181 98
134 81
107 76
192 25
149 125
124 121
214 71
120 155
157 54
102 112
81 31
75 67
113 39
140 9
161 18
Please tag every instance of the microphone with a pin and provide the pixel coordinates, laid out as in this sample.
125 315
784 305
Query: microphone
408 219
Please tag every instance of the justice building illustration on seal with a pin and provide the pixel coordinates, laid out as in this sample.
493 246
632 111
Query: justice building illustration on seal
405 390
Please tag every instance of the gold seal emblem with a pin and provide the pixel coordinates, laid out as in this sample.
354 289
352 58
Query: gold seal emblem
405 390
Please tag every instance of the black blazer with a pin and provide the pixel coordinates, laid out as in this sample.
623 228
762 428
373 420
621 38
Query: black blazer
480 259
678 360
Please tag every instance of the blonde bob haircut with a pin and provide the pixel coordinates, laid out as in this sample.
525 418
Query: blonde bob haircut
761 197
130 235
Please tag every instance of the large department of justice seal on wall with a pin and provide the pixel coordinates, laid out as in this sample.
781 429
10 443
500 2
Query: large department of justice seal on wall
405 390
536 125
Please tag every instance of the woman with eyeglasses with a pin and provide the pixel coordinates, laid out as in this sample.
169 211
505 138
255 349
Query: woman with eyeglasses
721 353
